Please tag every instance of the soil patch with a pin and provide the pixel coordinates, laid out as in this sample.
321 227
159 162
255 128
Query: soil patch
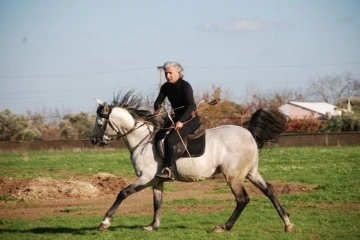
37 197
50 189
108 183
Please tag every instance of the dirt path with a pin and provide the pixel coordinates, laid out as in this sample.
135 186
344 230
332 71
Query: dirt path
38 197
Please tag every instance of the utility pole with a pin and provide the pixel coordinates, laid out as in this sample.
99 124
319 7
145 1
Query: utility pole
160 68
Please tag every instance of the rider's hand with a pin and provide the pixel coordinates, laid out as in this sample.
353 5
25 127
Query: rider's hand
178 125
157 112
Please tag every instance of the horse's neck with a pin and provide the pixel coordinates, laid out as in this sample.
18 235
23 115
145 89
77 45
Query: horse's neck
135 133
139 136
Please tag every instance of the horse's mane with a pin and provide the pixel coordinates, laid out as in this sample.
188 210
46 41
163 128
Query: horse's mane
134 104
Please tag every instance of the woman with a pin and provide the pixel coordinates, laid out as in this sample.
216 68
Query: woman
180 94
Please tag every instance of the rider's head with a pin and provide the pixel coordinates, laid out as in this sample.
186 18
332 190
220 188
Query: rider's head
173 71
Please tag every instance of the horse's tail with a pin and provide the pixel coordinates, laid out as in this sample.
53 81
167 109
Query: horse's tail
266 125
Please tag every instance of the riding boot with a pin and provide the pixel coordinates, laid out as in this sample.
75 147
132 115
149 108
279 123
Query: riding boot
169 173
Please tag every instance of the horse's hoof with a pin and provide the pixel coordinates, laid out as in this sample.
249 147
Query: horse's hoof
150 228
103 227
219 229
289 228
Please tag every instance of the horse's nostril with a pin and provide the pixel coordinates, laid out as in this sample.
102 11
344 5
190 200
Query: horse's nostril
93 140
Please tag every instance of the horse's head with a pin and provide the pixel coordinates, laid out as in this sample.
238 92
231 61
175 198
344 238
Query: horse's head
101 131
122 119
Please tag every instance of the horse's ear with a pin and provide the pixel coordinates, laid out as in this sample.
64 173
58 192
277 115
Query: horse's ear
100 102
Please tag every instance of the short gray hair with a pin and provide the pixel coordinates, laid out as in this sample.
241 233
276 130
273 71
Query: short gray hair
175 65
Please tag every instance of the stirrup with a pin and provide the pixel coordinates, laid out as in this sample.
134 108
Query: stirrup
166 175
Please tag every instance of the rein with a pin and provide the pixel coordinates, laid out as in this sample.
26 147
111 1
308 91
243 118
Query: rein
120 135
130 131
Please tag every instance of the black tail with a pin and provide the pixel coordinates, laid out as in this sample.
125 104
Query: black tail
266 125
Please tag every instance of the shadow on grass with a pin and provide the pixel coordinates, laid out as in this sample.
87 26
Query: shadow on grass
79 231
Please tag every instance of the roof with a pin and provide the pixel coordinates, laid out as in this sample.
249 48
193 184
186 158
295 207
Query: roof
319 107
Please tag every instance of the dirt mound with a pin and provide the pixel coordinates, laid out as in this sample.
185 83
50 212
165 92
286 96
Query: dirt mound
108 183
293 188
10 186
50 189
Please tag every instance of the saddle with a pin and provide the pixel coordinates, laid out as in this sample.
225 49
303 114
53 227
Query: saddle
195 143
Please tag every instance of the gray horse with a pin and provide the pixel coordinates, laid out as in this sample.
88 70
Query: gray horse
230 150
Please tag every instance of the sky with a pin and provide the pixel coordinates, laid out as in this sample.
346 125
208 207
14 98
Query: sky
62 54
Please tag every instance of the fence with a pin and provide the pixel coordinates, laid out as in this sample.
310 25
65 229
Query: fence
318 139
56 145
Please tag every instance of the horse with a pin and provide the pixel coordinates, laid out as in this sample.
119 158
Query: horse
230 149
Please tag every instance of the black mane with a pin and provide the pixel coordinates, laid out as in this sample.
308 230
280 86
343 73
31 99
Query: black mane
134 104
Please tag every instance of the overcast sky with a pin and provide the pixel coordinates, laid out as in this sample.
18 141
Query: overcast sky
64 53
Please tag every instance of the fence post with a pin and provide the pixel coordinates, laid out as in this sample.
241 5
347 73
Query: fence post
326 139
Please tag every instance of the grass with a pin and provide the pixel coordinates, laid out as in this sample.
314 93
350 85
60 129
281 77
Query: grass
334 169
330 212
62 164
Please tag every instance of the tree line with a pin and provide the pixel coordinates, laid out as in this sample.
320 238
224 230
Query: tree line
335 89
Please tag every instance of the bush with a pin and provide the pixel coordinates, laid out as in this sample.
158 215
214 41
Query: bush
305 126
16 128
345 123
76 126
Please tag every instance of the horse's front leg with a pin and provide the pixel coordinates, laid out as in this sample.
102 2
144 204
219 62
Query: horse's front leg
124 193
157 197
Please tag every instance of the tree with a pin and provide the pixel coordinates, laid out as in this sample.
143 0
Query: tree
76 126
330 88
48 129
281 97
16 128
255 98
225 112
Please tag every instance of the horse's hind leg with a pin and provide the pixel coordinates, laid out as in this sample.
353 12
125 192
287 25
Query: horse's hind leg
242 199
157 200
268 190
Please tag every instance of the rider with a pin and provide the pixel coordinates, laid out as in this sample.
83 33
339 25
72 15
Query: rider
180 94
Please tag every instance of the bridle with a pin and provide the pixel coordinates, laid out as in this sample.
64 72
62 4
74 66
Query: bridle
121 135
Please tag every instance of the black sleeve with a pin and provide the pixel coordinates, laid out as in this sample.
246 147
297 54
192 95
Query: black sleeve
189 103
159 100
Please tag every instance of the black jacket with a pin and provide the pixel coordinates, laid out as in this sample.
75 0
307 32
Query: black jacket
181 97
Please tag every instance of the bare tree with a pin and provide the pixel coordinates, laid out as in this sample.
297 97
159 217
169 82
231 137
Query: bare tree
256 99
283 96
330 88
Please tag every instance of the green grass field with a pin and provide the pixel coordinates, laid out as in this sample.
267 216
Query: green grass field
332 211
